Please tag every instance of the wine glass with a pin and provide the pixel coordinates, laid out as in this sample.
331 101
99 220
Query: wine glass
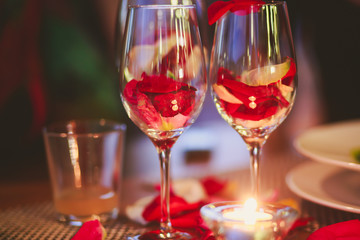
121 20
253 72
163 83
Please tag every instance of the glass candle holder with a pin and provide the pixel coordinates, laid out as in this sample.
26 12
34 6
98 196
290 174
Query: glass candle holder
235 221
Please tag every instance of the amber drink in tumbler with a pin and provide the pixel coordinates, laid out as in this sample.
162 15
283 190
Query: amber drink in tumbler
84 160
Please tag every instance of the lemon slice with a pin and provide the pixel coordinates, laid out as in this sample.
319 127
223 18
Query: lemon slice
266 75
225 95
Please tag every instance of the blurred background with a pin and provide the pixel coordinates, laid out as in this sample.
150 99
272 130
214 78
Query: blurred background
57 62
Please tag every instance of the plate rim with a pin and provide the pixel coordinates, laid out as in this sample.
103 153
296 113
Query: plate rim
297 145
289 179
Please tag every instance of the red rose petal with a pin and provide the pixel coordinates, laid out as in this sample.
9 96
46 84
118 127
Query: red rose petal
243 8
262 111
90 230
183 215
243 92
289 76
171 104
224 74
217 10
213 185
141 105
130 91
263 96
190 219
166 104
157 97
208 235
301 222
239 7
348 230
158 84
147 112
186 100
177 205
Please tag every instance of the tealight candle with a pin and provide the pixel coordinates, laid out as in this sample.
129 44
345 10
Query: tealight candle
248 214
233 220
247 222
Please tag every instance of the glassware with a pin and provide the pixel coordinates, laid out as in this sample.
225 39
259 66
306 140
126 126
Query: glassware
253 73
201 8
163 83
232 220
85 164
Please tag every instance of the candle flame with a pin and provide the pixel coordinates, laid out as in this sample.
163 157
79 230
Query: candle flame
250 206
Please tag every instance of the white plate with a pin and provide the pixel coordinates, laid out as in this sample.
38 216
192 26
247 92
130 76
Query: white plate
327 185
331 143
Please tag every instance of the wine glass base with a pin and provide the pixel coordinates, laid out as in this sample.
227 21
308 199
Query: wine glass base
157 234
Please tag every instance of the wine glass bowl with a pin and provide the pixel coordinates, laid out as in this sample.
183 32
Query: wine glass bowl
253 69
121 22
162 83
253 72
162 70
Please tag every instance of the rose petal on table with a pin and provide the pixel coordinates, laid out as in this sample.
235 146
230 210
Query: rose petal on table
213 185
348 230
90 230
187 196
193 222
194 190
190 219
177 206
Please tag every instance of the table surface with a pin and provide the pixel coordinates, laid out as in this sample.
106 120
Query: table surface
26 210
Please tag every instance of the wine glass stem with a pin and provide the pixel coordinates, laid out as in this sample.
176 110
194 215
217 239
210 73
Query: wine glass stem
165 223
255 151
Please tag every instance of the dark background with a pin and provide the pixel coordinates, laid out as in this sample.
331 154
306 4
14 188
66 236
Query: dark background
57 62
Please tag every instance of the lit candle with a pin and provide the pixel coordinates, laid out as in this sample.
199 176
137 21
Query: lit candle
233 220
248 214
247 222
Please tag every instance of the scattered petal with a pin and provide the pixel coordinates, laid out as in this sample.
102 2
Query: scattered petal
90 230
213 185
348 230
